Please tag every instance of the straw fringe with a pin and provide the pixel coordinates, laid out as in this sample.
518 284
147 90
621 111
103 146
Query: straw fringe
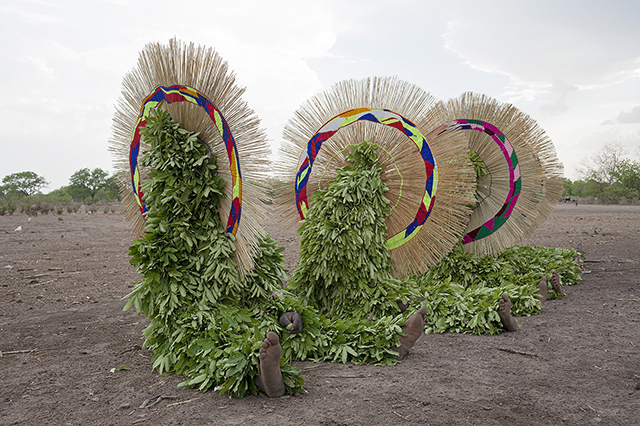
456 179
203 69
540 169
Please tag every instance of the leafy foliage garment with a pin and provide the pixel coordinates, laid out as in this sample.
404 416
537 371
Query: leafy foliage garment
207 322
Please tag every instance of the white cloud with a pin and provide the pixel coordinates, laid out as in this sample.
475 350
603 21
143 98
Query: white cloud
632 116
560 91
540 43
32 18
63 64
571 65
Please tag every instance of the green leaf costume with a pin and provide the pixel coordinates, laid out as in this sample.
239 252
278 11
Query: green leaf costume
208 322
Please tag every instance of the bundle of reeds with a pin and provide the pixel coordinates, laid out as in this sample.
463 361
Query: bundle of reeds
426 166
244 160
524 176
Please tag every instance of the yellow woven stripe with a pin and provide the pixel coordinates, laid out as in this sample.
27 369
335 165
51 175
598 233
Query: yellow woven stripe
304 173
136 185
218 122
237 183
399 239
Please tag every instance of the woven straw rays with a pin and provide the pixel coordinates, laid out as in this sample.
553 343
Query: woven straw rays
524 177
161 66
406 169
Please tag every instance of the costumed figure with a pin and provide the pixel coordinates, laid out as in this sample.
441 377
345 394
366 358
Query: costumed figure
395 200
377 200
487 277
211 282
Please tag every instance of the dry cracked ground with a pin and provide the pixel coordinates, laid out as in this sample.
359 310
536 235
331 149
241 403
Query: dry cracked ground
64 338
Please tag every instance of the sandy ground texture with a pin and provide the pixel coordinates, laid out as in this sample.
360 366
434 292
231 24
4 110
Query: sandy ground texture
63 332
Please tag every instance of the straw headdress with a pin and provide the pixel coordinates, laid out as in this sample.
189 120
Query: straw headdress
426 167
524 178
195 86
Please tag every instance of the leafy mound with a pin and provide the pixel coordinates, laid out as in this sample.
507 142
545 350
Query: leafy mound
344 268
207 323
462 291
205 319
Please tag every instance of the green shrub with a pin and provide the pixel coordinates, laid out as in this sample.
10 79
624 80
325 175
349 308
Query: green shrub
205 322
462 292
344 266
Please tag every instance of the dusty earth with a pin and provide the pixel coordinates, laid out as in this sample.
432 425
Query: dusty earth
64 336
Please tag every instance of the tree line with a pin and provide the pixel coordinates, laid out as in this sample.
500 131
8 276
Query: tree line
608 177
23 191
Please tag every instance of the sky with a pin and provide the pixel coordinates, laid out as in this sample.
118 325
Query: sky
572 65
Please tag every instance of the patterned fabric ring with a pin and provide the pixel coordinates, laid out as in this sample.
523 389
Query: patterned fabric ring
179 93
387 118
493 224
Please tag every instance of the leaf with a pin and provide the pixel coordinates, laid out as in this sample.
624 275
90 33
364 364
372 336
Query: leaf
197 379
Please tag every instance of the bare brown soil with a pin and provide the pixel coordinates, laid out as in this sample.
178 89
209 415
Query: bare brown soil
62 331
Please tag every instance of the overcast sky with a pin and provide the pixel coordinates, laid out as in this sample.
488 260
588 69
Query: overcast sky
573 65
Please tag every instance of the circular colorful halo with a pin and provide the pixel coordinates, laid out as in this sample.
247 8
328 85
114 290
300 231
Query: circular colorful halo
520 187
172 66
388 118
515 183
425 223
181 93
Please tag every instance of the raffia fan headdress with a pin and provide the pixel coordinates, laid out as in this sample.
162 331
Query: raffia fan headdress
523 179
426 167
196 87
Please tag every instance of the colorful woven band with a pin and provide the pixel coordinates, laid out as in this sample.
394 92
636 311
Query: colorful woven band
179 93
515 183
387 118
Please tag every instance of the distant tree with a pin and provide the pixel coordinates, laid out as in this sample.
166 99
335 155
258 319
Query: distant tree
602 166
85 184
24 183
567 188
617 192
627 174
592 188
110 191
59 195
